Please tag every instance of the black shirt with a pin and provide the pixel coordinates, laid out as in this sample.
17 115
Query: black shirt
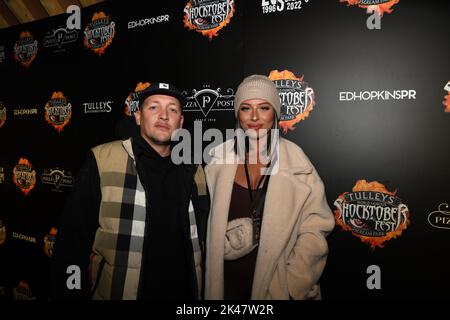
167 258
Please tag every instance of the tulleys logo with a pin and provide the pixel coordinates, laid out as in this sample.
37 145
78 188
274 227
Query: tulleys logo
208 16
57 178
24 176
441 217
98 107
25 49
379 6
2 114
58 111
2 232
99 33
446 101
372 213
49 242
132 101
297 98
208 99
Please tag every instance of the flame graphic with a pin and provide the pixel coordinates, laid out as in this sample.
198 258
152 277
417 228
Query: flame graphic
139 87
23 285
58 127
363 185
379 8
211 33
26 64
53 231
446 102
25 189
288 75
99 15
25 34
24 161
99 51
142 86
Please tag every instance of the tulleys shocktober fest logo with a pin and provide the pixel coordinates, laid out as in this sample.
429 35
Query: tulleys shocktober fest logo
2 114
379 6
372 213
58 111
99 33
132 101
23 292
208 16
25 49
446 101
49 242
297 98
24 176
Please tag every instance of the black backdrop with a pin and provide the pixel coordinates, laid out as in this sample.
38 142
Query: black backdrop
402 144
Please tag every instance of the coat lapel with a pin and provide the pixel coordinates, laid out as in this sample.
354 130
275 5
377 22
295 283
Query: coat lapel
220 178
285 197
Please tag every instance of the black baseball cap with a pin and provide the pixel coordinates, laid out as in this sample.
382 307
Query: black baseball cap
161 88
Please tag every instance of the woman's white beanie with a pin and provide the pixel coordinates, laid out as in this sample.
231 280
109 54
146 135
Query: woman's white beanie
257 87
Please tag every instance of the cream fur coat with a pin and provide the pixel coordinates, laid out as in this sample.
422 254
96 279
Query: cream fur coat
293 249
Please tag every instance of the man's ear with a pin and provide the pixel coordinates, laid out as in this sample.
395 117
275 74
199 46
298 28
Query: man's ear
181 121
137 117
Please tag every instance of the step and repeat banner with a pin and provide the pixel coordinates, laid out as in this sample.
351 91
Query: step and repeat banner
365 87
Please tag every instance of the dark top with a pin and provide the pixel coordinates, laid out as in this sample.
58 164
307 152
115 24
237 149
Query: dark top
167 252
238 274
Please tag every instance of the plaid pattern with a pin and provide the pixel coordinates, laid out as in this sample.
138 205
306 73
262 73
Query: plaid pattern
196 247
119 240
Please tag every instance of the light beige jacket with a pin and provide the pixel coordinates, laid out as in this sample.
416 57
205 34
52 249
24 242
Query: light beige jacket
292 250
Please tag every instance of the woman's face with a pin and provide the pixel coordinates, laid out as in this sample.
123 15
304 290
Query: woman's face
258 115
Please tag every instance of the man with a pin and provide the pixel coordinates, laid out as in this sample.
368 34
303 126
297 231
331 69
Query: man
130 223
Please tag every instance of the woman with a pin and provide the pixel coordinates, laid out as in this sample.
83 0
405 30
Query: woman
266 232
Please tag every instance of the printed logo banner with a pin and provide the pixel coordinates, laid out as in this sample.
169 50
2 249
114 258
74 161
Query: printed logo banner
372 213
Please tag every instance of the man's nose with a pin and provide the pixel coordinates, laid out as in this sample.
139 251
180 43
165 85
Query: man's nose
163 114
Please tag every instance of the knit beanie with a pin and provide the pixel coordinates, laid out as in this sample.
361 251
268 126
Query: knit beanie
257 87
